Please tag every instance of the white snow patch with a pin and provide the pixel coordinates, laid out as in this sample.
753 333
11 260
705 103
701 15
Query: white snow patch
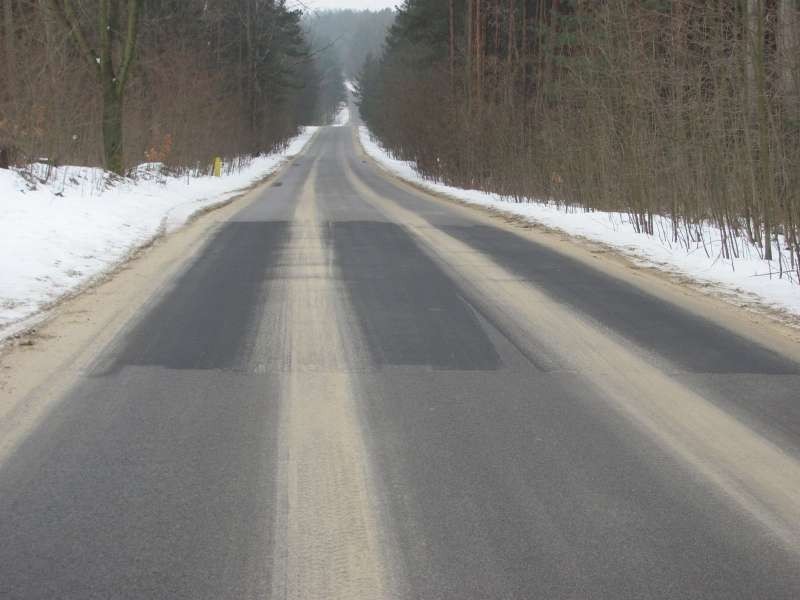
342 117
57 236
350 86
747 278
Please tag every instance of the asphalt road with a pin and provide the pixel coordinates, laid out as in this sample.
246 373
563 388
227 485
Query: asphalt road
354 391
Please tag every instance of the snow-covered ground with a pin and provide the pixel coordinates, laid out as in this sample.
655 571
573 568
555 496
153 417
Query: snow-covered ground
748 278
57 236
342 117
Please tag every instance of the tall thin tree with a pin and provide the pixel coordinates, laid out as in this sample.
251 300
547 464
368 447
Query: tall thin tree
111 78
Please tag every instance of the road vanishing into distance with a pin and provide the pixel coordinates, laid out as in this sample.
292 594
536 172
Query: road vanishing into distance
354 390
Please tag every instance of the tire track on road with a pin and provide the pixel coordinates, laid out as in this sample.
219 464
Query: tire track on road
328 540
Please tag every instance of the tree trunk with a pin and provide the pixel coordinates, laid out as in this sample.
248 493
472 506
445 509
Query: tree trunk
112 130
452 44
524 52
766 188
9 33
111 81
789 47
479 40
468 27
510 50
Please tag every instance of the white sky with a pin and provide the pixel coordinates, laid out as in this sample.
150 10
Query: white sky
359 4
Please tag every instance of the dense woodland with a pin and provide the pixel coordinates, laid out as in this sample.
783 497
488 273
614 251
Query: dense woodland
121 82
683 108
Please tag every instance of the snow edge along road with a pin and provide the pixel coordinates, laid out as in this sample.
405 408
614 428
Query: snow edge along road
58 243
744 282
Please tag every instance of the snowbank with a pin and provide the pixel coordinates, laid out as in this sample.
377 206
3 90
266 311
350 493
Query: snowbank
342 117
748 278
56 237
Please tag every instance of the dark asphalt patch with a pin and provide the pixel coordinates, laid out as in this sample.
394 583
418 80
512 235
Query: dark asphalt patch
410 312
689 342
686 340
208 320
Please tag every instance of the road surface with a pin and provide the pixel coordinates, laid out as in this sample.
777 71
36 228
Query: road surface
357 391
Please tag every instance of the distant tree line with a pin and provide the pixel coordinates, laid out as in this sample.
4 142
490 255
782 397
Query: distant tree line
350 35
332 89
683 108
121 82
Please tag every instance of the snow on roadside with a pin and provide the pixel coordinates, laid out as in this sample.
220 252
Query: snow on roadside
342 117
58 236
748 278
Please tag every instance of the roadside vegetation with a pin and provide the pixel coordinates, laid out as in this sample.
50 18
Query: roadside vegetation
112 113
343 39
352 35
682 109
117 83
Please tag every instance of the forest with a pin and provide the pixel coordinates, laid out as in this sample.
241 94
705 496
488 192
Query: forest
351 35
122 82
680 108
341 41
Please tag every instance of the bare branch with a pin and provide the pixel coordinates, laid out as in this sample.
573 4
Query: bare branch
134 6
66 14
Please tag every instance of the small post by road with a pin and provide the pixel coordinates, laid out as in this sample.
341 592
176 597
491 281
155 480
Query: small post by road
217 167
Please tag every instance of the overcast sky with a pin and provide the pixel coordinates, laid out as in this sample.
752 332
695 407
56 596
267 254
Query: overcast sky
362 4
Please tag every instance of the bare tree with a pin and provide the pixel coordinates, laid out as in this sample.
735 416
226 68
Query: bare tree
111 78
684 109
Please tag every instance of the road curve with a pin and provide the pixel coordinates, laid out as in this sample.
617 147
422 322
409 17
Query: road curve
353 390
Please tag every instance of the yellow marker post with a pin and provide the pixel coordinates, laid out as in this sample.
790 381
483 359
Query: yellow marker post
218 167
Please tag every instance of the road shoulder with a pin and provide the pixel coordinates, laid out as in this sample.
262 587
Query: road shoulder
40 363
